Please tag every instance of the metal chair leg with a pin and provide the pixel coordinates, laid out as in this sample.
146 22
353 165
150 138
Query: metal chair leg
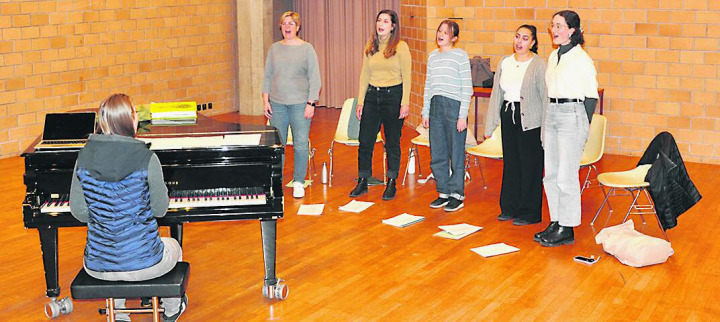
407 165
330 152
607 195
417 160
311 158
586 183
482 175
640 209
110 304
156 309
657 217
311 171
467 167
632 205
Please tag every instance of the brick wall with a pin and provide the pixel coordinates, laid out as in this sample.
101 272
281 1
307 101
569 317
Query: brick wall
70 54
414 21
658 60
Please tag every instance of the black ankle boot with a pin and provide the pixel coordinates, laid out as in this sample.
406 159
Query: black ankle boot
360 189
550 228
390 190
562 236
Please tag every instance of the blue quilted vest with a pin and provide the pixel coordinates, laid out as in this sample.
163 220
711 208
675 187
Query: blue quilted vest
122 232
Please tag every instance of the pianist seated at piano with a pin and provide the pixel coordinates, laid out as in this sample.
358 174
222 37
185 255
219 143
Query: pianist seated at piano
118 189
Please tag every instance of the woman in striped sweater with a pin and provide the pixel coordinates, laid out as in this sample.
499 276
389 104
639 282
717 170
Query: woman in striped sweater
448 88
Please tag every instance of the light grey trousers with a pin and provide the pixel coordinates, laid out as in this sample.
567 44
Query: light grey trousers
565 132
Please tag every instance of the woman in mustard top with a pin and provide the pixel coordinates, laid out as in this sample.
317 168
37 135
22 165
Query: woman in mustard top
383 99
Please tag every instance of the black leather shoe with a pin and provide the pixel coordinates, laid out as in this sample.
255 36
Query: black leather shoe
549 229
523 222
562 236
390 190
360 189
504 217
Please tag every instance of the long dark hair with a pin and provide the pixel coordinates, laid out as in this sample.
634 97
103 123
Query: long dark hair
533 32
573 21
373 43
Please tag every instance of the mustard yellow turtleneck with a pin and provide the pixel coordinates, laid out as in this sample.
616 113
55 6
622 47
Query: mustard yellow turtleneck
379 71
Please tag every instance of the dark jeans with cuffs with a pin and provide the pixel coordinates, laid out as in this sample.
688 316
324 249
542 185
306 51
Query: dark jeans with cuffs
522 184
381 107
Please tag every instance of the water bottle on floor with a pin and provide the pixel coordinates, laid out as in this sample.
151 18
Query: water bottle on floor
324 175
411 163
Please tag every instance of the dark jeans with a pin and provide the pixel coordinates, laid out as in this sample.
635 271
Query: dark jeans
447 147
521 192
381 107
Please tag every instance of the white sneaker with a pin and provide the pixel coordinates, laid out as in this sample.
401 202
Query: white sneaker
298 189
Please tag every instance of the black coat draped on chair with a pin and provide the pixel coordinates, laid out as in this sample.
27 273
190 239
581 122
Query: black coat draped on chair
671 189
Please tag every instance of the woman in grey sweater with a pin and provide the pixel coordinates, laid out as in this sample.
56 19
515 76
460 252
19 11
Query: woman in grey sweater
290 89
518 98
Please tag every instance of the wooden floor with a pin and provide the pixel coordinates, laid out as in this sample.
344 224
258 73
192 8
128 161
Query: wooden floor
347 266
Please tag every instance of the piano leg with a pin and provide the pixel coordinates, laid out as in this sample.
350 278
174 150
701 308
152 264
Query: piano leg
49 247
273 287
176 231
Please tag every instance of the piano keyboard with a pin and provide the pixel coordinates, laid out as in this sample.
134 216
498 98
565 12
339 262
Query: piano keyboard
56 203
220 197
217 197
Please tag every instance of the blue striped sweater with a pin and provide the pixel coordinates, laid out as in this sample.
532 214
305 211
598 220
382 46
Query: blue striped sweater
448 75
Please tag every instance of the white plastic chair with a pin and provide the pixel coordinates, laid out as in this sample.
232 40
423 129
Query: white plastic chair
594 148
490 148
633 182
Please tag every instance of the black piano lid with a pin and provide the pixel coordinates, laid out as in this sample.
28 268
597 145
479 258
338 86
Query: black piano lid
207 126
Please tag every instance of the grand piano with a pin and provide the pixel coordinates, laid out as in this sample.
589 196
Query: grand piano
214 171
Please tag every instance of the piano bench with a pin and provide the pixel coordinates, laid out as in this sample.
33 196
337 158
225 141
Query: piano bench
172 284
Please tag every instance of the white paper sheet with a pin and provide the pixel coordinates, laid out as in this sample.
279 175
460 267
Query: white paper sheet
356 206
403 220
445 234
242 139
460 229
311 210
494 249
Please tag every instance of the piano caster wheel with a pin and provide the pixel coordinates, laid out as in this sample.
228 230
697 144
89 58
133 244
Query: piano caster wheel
278 291
56 307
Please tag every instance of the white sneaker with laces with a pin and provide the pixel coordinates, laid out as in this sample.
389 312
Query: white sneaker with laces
298 189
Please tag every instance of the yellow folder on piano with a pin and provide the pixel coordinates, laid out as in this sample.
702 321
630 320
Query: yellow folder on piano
173 113
173 107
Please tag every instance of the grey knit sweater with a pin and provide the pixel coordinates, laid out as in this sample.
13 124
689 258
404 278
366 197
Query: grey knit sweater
292 74
533 97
